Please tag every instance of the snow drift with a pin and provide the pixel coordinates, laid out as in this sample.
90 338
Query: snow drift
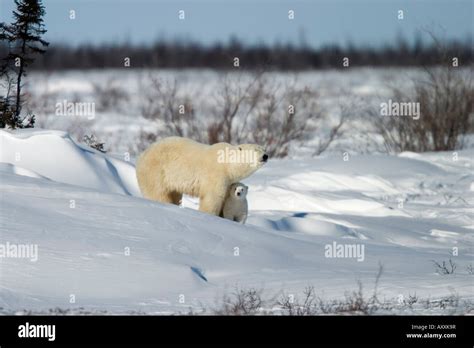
101 244
54 155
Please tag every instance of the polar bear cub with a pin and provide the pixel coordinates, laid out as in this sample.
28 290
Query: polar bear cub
235 204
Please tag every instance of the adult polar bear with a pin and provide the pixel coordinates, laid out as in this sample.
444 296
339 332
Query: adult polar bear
175 166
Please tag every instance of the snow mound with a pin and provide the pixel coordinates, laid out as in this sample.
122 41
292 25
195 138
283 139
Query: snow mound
54 155
113 250
12 169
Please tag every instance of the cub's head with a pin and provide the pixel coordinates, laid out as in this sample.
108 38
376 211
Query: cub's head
238 191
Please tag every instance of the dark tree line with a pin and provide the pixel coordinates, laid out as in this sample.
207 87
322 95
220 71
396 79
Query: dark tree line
185 54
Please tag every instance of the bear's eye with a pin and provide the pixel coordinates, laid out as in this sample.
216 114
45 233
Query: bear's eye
240 148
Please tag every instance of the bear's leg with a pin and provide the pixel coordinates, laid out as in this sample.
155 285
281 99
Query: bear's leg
176 197
211 204
172 197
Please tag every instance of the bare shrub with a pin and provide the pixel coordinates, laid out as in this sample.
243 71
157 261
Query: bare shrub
354 302
292 306
449 301
174 111
286 116
346 109
43 100
45 103
109 96
451 304
78 127
91 141
446 99
241 302
235 99
444 267
412 299
264 112
246 110
171 113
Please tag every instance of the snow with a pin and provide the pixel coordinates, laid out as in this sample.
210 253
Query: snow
113 250
54 155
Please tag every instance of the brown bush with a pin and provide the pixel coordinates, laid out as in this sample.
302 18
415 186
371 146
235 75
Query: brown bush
446 98
256 110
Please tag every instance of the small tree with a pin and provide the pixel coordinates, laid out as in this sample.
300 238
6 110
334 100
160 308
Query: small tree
24 40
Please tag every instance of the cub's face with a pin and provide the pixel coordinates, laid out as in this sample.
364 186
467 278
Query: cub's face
239 191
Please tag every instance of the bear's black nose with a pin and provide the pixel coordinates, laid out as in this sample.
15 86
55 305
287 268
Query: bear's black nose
265 157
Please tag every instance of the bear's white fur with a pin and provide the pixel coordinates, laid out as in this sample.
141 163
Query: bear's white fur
175 166
235 204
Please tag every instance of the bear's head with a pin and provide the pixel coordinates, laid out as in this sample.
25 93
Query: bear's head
238 191
241 160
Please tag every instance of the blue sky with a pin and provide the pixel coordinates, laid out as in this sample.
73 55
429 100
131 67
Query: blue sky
317 22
